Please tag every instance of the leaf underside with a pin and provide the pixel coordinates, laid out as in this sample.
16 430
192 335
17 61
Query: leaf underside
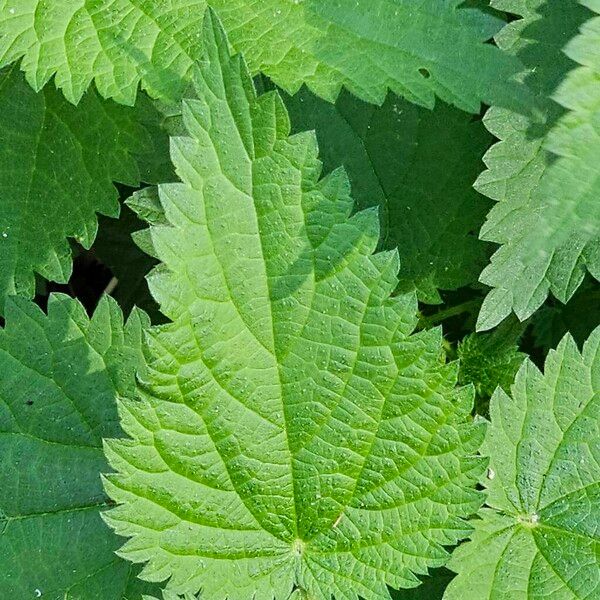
538 537
289 431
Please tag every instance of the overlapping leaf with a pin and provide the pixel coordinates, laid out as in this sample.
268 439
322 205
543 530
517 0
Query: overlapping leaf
417 49
129 264
57 167
418 166
532 261
572 183
539 537
59 377
290 430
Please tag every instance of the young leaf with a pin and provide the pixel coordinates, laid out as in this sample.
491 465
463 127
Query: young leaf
539 535
417 49
59 377
489 360
58 167
290 430
418 166
517 177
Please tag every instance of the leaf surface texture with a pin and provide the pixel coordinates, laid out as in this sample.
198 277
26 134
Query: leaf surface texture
58 164
59 378
538 537
290 430
418 49
542 201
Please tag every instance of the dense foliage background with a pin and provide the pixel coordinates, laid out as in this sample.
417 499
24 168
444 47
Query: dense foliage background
299 297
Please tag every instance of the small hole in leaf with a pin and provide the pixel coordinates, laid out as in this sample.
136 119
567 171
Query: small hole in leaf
425 73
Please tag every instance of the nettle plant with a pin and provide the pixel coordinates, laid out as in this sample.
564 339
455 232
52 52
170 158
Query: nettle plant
341 341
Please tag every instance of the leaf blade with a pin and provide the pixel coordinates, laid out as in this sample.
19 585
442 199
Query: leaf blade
60 376
538 536
120 44
533 191
274 435
58 167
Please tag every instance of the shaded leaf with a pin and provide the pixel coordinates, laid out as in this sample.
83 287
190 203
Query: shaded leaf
59 377
418 166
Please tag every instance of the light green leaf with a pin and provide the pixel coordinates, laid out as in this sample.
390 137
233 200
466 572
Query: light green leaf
59 377
416 49
539 536
290 430
418 166
58 164
531 262
114 43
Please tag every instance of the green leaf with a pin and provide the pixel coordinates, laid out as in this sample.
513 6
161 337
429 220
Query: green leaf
59 377
531 262
418 166
489 360
539 536
418 50
423 49
290 430
115 43
58 164
571 184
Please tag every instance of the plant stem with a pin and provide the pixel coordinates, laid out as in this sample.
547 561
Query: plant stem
453 311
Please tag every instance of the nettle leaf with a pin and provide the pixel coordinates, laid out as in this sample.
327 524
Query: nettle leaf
418 166
59 376
290 430
423 49
491 359
538 537
418 50
58 167
115 43
531 262
571 184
